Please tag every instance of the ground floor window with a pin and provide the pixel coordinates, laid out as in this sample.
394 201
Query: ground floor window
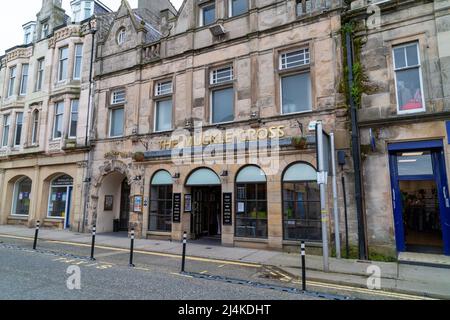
21 199
161 194
251 203
301 204
59 199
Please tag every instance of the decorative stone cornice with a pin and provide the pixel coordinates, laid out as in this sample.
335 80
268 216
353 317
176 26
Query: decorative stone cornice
67 32
19 53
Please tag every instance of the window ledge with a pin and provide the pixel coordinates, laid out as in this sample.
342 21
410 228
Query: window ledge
159 233
17 217
239 239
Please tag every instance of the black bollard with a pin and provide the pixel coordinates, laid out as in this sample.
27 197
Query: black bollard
303 266
132 249
36 235
183 261
94 230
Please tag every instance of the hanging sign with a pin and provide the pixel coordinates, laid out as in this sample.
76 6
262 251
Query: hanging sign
187 203
137 204
227 209
177 207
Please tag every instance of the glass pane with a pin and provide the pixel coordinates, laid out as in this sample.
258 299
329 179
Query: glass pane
296 93
117 122
411 55
414 163
262 191
57 202
239 7
22 197
251 174
251 191
209 14
399 56
409 90
58 127
164 115
222 107
300 172
162 178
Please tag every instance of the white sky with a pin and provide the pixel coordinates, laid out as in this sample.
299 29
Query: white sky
15 13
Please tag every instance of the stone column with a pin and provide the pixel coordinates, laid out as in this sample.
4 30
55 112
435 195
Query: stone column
275 214
3 216
228 231
71 61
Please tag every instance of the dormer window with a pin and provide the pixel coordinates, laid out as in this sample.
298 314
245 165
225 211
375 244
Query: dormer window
28 32
121 36
207 14
87 9
45 30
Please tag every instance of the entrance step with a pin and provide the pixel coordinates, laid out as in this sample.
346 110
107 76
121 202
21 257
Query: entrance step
424 259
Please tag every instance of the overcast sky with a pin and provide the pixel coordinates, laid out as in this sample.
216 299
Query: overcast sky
15 13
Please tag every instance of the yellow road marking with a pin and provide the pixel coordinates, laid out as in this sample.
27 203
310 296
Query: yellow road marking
204 272
181 275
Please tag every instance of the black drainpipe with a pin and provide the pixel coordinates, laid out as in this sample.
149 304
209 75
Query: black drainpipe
362 243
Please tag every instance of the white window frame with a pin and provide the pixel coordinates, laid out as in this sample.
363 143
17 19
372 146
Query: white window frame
40 74
16 127
156 116
215 79
230 9
35 127
14 203
12 80
281 93
6 130
306 62
23 81
60 62
121 36
162 88
76 59
419 66
202 7
115 93
45 30
55 115
111 110
70 118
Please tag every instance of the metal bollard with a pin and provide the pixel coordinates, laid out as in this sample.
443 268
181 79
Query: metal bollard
94 230
303 266
36 235
132 249
183 261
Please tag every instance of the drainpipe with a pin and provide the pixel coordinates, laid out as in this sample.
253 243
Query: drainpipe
87 179
362 243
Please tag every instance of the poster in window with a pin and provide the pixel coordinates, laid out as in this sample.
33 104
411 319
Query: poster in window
187 203
241 207
109 203
137 204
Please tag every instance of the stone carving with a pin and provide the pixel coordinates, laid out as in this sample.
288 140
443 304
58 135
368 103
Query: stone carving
152 52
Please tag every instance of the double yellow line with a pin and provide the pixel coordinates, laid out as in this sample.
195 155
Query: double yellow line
317 284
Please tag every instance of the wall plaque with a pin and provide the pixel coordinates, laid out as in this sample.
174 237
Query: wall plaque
177 207
227 209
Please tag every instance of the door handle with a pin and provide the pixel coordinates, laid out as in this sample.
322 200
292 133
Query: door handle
444 191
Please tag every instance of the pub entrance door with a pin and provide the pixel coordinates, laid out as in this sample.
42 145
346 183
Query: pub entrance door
206 212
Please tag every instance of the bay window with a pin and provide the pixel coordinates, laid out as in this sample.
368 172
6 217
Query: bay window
6 126
12 80
73 123
18 130
58 121
40 74
35 127
77 61
24 80
63 63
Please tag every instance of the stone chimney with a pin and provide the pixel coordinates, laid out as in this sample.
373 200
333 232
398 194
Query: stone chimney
156 6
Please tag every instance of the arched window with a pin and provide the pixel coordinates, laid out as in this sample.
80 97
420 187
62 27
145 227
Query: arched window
251 203
161 193
35 127
59 201
21 198
301 203
121 36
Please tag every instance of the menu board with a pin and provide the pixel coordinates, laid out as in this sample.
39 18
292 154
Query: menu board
177 207
227 209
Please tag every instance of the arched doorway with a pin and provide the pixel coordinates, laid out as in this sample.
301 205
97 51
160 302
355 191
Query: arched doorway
161 196
206 217
113 211
21 197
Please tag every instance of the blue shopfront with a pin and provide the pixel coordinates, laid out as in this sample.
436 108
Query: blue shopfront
420 196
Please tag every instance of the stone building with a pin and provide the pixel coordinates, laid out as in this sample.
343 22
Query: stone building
403 48
44 113
202 119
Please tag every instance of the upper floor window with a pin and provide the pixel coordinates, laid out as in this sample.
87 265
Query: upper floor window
118 97
237 7
87 9
295 79
24 80
35 127
12 80
18 133
63 63
408 78
207 14
304 6
222 95
28 36
164 106
73 123
6 126
116 122
40 74
163 88
58 120
77 61
45 30
121 36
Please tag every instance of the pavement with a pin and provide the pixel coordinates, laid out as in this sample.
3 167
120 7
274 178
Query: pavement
405 277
